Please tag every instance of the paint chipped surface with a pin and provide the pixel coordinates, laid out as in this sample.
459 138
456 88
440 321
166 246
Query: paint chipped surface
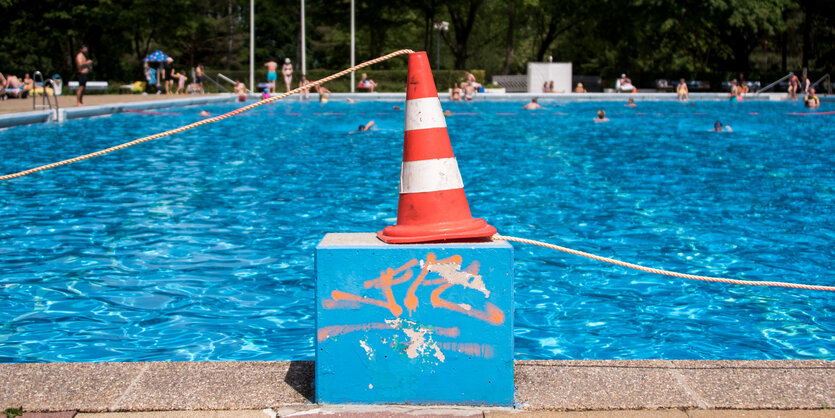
420 343
453 274
368 351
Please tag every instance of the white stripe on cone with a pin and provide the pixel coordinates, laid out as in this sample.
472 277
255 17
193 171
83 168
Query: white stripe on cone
430 176
424 113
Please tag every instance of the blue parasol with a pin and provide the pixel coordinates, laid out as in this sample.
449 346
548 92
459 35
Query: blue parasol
157 56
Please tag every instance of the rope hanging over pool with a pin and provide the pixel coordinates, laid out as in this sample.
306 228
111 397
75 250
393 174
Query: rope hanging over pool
206 121
498 237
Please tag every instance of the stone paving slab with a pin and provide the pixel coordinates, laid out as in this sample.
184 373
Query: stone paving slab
615 384
761 384
180 414
219 385
574 385
65 386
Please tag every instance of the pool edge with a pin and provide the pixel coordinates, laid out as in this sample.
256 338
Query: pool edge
566 385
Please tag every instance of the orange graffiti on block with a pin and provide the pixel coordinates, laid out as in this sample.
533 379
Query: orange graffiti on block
393 277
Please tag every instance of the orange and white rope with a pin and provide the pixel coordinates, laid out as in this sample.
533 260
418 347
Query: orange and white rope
498 237
206 121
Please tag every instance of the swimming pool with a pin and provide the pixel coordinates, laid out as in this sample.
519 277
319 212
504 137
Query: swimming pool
200 246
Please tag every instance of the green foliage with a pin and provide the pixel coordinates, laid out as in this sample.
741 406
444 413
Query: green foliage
13 412
706 39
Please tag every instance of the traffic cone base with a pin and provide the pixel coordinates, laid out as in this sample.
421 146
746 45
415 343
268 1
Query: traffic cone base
473 229
432 206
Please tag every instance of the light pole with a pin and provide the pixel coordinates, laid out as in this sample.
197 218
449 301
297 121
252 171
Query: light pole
352 46
251 45
304 63
440 26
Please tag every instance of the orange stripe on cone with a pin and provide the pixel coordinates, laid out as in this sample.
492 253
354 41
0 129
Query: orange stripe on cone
432 206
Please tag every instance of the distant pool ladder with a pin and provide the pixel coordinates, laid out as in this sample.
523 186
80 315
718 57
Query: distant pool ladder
45 101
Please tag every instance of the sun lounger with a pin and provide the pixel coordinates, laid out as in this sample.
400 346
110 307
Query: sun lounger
91 85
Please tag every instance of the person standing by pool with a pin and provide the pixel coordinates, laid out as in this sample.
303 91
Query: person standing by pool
682 91
533 105
271 74
198 78
168 74
287 71
83 64
794 84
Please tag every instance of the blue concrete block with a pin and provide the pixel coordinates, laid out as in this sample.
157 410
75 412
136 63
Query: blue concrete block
417 323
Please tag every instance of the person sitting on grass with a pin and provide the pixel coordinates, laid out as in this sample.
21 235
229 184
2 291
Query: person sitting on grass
601 116
812 101
533 105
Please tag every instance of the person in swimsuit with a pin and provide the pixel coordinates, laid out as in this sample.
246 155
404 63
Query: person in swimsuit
324 93
812 101
168 74
271 74
287 71
304 94
83 65
682 90
533 105
367 126
366 84
198 78
455 94
601 116
794 84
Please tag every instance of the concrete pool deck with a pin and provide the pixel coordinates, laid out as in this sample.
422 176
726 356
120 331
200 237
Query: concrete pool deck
286 387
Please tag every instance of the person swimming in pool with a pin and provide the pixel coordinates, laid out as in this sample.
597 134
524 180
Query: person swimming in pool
601 116
533 105
811 100
366 127
630 103
324 93
718 127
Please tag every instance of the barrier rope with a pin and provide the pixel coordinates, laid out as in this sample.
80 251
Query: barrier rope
208 120
498 237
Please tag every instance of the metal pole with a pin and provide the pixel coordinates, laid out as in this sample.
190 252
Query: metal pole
437 49
251 45
304 62
352 46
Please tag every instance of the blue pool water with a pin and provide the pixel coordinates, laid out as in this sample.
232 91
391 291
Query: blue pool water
200 246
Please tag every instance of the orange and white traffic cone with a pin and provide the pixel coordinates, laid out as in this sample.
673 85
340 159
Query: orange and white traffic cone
433 206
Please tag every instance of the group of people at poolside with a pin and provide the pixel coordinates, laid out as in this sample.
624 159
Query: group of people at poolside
467 90
162 78
11 86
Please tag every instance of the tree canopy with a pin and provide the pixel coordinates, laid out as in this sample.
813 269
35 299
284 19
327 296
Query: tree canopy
646 38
